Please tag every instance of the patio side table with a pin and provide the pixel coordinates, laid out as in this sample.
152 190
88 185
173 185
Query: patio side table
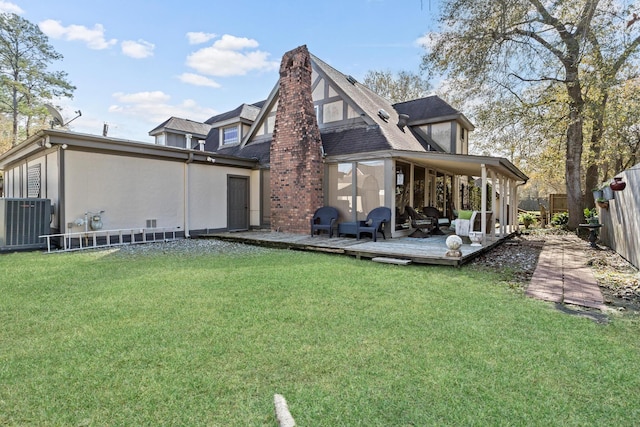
347 228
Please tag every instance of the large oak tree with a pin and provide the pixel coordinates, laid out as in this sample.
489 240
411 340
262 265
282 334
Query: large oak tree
404 86
578 50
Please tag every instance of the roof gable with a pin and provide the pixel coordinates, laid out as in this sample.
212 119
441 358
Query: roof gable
182 126
370 104
366 109
431 109
244 112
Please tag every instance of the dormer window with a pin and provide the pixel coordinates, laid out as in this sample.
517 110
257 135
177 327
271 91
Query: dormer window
230 135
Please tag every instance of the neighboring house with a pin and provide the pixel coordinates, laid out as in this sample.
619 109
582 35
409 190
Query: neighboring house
320 138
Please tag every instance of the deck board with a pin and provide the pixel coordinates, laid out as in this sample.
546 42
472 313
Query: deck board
429 250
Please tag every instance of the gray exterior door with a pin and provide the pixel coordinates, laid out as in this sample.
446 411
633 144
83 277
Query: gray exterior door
237 203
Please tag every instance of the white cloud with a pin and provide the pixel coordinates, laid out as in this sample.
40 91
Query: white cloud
137 49
427 41
200 37
229 42
197 80
155 107
7 7
227 58
93 37
142 97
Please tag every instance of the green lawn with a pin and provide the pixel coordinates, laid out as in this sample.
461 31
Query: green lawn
101 339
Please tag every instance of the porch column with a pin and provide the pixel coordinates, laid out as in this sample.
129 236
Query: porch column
513 193
494 205
504 213
483 198
513 221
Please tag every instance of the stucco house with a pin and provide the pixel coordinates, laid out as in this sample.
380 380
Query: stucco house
320 138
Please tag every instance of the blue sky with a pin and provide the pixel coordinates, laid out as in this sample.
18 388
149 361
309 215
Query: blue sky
136 63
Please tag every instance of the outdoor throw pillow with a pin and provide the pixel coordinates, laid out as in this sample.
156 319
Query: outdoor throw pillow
465 214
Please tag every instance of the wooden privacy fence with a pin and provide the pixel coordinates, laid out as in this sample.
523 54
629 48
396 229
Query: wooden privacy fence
557 204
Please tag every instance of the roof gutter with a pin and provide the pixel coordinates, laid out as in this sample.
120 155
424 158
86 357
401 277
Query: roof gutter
117 146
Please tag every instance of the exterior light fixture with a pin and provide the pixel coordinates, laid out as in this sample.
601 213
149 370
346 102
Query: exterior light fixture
399 177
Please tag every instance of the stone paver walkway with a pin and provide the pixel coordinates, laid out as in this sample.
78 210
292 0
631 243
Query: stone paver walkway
562 274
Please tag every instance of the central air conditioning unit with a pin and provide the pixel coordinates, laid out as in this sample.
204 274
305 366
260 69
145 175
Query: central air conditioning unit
22 222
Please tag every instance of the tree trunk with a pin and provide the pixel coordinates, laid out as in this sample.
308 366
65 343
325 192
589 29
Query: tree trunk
592 176
574 150
14 140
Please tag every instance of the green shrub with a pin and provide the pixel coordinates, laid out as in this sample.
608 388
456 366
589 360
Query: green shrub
560 219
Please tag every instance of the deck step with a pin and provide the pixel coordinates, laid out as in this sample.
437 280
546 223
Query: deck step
391 260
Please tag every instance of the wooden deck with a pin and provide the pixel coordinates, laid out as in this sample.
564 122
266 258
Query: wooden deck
430 250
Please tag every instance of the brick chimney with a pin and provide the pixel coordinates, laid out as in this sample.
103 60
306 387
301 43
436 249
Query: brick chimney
296 148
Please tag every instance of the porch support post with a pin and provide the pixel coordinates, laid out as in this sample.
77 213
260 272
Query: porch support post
513 222
494 205
483 198
513 192
504 212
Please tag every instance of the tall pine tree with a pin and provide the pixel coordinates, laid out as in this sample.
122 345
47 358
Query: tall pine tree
25 82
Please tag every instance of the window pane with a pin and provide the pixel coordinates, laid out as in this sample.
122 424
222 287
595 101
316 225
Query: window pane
230 135
341 190
403 187
370 186
419 187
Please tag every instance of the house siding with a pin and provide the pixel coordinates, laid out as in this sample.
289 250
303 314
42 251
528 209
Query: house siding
130 190
16 179
135 184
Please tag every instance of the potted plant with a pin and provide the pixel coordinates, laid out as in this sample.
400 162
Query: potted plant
618 184
602 202
607 192
591 216
527 219
597 193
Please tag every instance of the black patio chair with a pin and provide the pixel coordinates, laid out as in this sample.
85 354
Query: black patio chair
324 219
422 224
440 220
375 223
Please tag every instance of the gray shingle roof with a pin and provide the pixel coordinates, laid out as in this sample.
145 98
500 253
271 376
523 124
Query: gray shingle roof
244 111
176 124
430 109
370 103
260 151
